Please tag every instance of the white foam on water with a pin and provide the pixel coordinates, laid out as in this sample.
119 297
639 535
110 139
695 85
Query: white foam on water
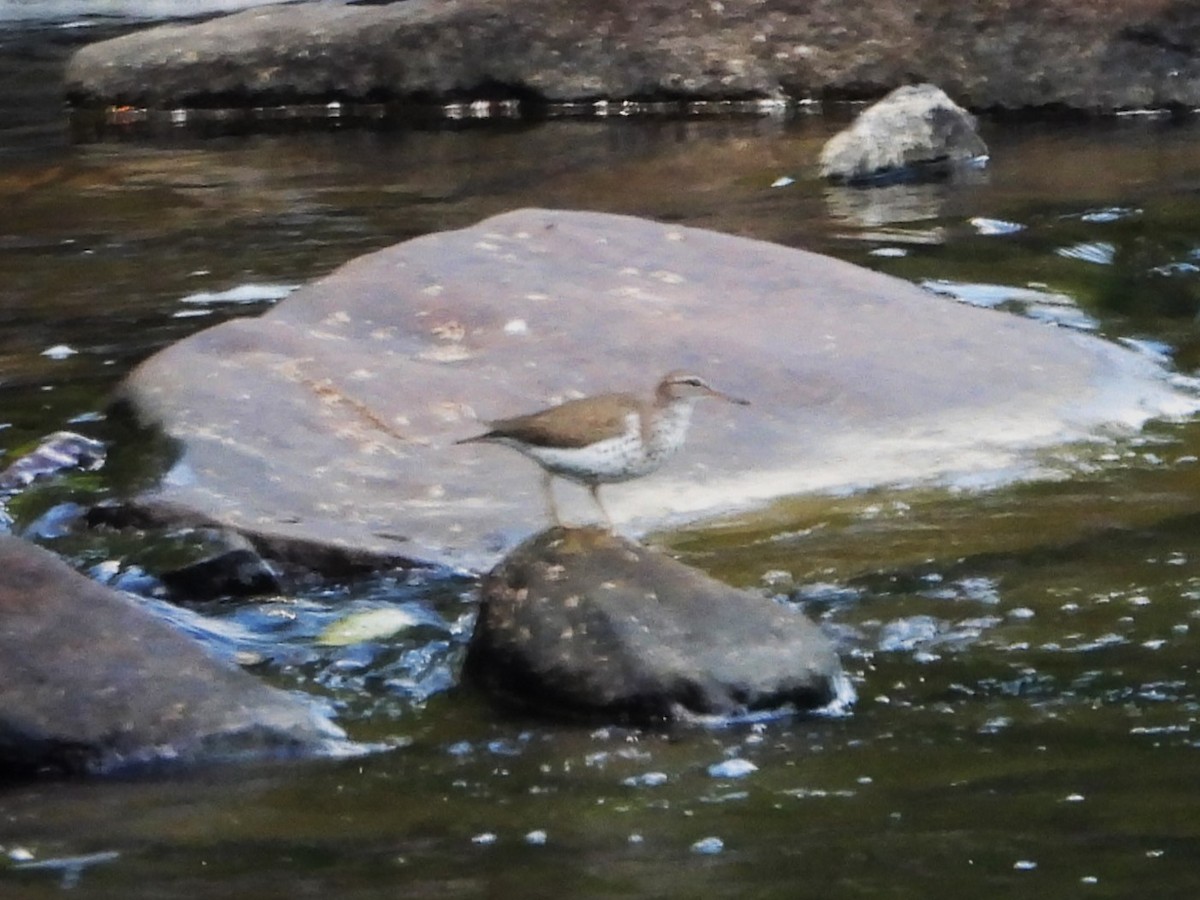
242 293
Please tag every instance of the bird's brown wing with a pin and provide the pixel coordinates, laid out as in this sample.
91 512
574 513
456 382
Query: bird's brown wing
575 423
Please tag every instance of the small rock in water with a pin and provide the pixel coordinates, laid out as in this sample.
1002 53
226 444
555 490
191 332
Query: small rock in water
913 126
236 571
484 838
59 351
536 838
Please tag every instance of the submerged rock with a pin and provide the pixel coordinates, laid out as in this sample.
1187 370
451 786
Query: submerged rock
325 429
987 52
91 682
238 572
912 129
578 622
235 569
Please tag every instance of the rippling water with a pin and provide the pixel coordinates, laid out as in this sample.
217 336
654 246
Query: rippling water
1025 656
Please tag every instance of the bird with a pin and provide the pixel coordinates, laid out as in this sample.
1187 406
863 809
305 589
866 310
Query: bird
604 438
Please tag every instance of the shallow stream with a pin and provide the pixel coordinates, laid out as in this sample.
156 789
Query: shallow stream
1025 654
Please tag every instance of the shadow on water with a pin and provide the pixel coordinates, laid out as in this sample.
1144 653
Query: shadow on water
1024 655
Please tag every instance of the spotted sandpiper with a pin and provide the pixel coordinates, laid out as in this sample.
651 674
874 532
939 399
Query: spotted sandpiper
606 438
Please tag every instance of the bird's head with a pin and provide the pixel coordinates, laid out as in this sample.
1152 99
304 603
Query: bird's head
683 385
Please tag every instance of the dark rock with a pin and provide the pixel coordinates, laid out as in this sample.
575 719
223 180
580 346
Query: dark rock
291 559
578 622
324 429
1098 56
91 682
910 131
233 572
61 450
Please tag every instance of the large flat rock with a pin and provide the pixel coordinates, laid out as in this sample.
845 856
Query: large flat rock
326 426
1108 54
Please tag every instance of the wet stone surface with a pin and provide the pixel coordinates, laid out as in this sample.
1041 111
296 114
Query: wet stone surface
914 131
580 623
325 428
91 682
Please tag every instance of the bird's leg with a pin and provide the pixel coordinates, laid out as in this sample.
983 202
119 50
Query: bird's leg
595 490
551 507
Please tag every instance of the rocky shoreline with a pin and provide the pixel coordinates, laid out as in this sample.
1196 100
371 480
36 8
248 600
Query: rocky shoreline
1097 57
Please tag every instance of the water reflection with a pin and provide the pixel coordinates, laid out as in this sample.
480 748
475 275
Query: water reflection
899 203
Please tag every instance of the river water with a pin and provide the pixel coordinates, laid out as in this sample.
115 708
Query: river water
1025 655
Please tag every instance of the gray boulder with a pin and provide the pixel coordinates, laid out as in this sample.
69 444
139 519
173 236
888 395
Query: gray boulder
90 682
915 129
987 53
578 622
325 429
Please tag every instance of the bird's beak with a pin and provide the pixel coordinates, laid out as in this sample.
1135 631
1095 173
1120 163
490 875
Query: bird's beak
729 397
